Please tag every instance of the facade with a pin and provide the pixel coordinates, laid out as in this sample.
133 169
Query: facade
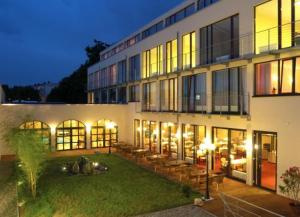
220 72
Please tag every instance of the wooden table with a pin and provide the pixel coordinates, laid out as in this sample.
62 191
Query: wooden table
141 152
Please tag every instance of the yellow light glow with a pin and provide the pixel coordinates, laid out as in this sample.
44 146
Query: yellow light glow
256 147
297 3
138 129
88 127
110 125
53 128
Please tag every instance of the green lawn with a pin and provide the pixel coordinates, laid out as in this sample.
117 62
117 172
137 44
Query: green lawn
125 190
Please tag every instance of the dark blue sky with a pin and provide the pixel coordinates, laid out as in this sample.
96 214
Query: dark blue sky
44 40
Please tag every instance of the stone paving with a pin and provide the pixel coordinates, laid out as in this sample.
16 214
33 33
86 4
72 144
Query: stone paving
182 211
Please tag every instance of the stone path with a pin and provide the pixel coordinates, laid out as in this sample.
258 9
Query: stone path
182 211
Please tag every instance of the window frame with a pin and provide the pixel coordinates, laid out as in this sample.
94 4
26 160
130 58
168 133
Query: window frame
175 96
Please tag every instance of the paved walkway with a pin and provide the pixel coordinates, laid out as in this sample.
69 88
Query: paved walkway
262 198
182 211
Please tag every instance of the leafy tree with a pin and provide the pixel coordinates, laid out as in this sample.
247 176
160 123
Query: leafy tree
32 153
73 89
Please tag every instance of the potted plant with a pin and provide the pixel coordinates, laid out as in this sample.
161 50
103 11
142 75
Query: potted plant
291 185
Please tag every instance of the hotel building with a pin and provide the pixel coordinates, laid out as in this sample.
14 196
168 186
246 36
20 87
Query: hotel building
220 72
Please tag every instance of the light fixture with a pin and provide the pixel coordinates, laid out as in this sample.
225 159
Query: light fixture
88 127
256 147
297 2
53 128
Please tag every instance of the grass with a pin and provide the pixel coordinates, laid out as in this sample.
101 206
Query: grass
125 190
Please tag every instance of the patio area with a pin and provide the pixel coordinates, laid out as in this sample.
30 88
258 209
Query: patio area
186 173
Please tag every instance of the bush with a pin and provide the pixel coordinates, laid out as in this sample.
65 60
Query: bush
291 184
75 168
186 190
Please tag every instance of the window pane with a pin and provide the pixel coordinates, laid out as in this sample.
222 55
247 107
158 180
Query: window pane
220 90
266 78
297 79
287 77
186 48
286 21
266 26
234 90
174 56
200 92
193 51
297 23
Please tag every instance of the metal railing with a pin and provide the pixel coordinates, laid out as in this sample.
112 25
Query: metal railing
235 207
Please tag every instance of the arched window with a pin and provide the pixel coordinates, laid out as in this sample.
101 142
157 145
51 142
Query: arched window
70 135
40 127
103 134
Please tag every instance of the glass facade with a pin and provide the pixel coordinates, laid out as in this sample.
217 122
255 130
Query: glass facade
169 139
189 50
192 137
153 62
220 41
171 55
70 135
150 136
229 90
205 3
122 71
134 93
104 133
277 77
134 68
180 15
230 154
168 95
149 96
194 93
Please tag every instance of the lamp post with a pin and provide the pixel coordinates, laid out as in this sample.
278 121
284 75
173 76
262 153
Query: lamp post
207 147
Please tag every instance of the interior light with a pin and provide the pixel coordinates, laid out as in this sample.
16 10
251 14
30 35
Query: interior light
297 3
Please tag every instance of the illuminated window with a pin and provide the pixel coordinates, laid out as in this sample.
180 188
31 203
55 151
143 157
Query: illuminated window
230 153
172 56
169 139
137 133
297 22
153 62
189 50
103 134
168 95
278 77
150 135
286 22
70 135
266 26
41 128
192 137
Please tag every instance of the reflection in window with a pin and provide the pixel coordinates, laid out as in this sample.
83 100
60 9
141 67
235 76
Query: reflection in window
189 50
70 135
194 93
169 139
172 56
192 137
220 41
134 68
134 93
103 134
168 95
137 132
149 96
150 136
229 90
41 128
230 153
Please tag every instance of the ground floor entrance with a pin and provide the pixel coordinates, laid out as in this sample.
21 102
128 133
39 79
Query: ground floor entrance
265 159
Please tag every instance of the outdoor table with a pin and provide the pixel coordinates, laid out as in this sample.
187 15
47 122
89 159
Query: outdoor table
175 164
141 152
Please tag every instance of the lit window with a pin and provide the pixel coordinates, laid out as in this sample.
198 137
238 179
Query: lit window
40 127
172 56
104 133
189 50
169 139
70 135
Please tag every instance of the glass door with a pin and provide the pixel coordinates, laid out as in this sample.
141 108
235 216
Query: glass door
265 159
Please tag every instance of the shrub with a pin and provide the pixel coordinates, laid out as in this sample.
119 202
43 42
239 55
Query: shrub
186 190
291 184
75 168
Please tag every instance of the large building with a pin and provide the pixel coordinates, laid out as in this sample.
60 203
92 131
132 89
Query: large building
224 72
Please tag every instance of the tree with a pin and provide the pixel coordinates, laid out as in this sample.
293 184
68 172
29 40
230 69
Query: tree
18 93
73 89
32 152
